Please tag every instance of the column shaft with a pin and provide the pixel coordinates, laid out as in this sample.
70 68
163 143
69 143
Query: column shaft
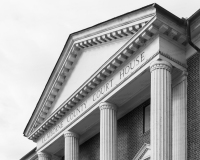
161 110
179 131
108 132
71 146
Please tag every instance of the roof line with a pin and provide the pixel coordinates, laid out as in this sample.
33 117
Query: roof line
29 153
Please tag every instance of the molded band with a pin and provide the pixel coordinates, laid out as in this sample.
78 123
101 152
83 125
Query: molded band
44 155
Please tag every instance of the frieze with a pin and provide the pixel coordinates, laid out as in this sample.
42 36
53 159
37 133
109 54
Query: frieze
52 131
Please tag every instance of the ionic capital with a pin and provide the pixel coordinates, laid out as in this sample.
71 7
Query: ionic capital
159 64
106 105
44 155
71 134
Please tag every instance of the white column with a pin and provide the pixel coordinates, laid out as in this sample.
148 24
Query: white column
108 131
43 156
161 123
71 146
179 131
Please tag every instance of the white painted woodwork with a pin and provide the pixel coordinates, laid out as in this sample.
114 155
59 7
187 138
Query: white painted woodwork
43 156
179 121
161 110
71 146
88 63
108 131
172 49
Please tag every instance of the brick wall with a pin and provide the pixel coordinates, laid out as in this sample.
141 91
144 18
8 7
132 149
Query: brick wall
130 137
90 150
193 108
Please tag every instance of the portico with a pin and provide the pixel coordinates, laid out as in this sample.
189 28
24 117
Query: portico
103 118
146 60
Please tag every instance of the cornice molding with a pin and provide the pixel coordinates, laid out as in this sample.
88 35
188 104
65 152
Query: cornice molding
139 39
171 58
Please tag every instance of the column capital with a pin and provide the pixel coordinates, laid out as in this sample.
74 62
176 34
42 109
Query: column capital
185 73
106 105
70 134
43 155
160 64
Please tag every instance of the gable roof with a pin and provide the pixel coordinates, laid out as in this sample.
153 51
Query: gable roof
79 40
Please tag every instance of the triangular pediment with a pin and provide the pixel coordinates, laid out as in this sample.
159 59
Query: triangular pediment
86 57
144 153
94 54
87 62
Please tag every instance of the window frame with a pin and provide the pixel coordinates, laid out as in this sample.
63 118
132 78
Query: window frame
144 116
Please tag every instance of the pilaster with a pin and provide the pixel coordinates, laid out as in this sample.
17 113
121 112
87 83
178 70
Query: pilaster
179 120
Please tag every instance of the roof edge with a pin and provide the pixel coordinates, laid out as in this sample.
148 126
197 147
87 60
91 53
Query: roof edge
29 154
194 15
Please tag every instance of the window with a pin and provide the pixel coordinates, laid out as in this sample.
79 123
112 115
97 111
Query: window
146 124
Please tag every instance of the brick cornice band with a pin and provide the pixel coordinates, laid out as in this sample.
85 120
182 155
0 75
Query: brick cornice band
71 134
43 155
106 105
159 64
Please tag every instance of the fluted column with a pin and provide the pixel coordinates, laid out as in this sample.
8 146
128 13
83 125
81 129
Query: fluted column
161 110
43 156
179 131
71 146
108 131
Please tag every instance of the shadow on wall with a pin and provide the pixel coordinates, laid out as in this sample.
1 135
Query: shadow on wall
130 137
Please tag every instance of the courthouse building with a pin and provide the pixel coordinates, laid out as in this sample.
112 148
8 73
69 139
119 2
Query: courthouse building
126 89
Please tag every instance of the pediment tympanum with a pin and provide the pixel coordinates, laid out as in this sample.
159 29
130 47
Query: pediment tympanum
87 63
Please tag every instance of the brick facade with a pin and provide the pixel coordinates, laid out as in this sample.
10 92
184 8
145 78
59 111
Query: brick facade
130 127
130 137
193 108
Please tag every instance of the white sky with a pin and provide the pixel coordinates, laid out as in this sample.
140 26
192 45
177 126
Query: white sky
32 36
